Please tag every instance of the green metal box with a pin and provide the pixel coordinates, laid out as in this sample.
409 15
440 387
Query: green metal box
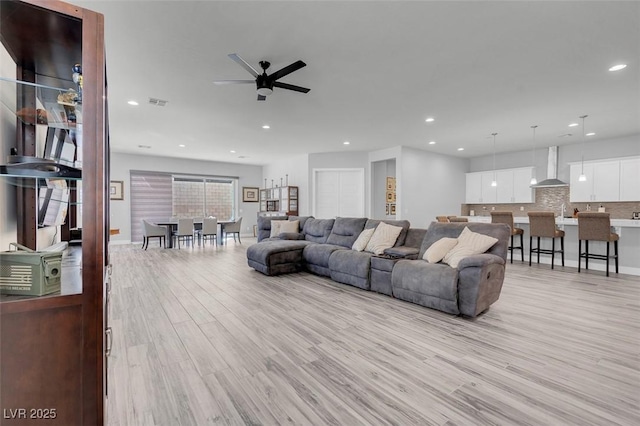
30 273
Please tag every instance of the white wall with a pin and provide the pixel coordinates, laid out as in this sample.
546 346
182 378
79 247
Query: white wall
122 164
593 150
429 185
298 170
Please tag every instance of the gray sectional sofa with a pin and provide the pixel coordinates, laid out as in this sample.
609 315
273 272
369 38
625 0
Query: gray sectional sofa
323 247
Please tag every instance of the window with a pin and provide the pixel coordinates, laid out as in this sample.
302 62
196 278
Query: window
202 197
159 196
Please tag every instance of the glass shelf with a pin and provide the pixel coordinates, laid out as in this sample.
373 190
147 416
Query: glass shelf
55 107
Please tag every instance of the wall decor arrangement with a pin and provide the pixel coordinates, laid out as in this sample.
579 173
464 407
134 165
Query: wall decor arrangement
116 190
391 196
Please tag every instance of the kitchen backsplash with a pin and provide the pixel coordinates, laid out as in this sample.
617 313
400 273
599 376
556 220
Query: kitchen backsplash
551 199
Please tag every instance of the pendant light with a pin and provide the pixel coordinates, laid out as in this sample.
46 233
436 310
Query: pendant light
494 182
582 177
534 181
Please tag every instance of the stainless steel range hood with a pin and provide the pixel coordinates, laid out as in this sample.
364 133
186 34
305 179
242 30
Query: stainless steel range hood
552 171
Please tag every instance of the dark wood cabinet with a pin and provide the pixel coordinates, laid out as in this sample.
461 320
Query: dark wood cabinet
53 347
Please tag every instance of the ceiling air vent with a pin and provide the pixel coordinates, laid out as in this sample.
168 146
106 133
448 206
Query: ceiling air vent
157 102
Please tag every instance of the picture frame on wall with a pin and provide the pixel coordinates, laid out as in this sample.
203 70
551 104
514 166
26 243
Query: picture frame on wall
116 190
250 194
392 211
391 197
391 183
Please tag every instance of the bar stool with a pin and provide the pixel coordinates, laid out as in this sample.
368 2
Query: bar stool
543 225
457 219
507 218
596 227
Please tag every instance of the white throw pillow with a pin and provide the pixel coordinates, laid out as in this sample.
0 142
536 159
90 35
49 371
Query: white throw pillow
439 249
383 238
469 243
363 239
290 226
275 227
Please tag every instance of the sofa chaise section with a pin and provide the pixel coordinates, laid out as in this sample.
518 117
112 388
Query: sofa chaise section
283 254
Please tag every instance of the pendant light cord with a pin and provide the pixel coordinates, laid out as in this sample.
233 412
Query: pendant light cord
583 142
494 156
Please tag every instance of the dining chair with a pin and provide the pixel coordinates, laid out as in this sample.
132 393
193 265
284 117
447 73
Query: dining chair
594 226
507 218
234 228
210 229
149 230
184 231
197 228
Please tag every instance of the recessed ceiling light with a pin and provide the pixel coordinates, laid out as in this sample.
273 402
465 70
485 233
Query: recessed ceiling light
134 103
460 149
232 151
182 145
432 143
429 119
618 67
266 126
573 124
346 143
590 134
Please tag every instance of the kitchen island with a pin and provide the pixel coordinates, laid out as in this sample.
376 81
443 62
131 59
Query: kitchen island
628 246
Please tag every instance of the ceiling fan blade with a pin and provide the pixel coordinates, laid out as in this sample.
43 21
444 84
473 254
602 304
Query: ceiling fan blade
262 98
287 70
291 87
244 64
234 82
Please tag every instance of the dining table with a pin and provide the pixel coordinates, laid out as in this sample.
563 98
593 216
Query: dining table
172 225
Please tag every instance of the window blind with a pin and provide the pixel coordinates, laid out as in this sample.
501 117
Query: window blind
151 200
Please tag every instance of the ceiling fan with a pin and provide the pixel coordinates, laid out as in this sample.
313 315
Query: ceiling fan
265 83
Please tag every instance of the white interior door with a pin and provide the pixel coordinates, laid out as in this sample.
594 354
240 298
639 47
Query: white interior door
338 192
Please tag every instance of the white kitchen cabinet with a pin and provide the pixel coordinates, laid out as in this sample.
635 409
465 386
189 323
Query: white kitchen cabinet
522 191
479 189
630 179
512 186
602 184
504 190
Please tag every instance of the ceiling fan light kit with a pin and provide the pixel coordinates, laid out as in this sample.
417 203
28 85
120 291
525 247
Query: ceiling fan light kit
265 83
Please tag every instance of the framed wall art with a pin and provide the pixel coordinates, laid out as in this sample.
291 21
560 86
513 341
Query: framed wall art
116 190
250 194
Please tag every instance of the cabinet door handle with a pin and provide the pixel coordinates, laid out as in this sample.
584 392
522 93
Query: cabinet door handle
109 333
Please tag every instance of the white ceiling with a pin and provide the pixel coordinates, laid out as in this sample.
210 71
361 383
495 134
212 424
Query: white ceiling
376 70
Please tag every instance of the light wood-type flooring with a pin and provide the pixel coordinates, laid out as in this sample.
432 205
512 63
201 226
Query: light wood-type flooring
200 338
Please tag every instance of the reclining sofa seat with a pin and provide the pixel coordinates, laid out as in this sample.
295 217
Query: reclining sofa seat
354 267
468 290
343 234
